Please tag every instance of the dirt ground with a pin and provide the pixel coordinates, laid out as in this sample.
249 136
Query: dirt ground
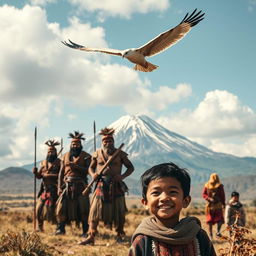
21 218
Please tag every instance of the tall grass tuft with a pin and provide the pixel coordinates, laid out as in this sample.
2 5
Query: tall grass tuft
239 241
23 244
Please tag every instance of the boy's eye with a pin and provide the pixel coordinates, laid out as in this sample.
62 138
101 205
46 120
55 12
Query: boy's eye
154 193
173 192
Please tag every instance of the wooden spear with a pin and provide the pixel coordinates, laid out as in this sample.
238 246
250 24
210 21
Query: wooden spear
35 138
87 189
94 135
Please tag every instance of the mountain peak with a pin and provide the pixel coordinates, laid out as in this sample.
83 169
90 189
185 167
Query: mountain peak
148 143
144 136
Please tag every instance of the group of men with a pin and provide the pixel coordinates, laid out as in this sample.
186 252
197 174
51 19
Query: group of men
63 197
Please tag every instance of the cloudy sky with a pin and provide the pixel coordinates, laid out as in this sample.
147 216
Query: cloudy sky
204 89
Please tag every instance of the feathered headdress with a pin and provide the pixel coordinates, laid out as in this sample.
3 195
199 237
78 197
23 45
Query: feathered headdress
76 136
107 133
52 143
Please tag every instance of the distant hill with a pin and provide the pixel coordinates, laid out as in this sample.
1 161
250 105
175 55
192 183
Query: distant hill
16 180
245 185
29 167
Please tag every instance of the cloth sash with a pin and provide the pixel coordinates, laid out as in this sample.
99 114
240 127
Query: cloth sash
183 233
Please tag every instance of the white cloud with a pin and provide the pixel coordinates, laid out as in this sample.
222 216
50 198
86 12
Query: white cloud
251 6
148 100
39 75
72 117
20 119
220 116
122 8
246 146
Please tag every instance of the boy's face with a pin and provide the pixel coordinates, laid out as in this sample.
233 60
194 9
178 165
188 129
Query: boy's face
235 198
165 199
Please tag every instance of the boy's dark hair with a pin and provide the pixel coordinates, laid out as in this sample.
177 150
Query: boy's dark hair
166 170
234 193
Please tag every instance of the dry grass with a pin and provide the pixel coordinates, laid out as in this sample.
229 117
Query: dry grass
15 222
22 243
240 241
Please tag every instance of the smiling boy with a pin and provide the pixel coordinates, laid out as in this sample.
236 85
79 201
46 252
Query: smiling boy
165 192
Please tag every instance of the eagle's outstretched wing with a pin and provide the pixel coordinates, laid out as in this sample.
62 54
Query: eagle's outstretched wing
172 36
88 49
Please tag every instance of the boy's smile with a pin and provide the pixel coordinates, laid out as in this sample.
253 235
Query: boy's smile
165 200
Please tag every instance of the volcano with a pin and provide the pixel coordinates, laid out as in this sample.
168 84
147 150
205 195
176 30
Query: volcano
148 143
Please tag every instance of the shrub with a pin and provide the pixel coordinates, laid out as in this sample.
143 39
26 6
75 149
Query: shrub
23 244
239 242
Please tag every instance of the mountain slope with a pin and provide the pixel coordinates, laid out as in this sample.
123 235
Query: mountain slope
16 180
148 143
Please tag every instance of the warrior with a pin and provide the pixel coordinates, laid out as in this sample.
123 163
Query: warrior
72 205
48 172
108 200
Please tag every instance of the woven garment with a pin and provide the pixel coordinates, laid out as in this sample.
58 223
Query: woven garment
108 204
45 208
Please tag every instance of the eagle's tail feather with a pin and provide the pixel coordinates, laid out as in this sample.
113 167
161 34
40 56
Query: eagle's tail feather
147 68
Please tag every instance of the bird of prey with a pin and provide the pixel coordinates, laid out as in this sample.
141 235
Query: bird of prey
151 48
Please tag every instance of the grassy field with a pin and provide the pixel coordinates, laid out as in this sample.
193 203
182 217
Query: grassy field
17 225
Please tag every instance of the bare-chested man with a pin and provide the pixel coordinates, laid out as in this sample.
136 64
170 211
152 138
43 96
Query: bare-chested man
108 200
48 172
72 204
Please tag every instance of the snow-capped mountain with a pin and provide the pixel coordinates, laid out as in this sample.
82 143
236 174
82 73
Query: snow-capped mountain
148 143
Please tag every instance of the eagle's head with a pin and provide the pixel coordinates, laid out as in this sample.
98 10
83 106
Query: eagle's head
127 53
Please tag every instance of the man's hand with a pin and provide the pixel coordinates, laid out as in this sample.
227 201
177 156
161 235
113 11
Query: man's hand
34 170
59 191
95 176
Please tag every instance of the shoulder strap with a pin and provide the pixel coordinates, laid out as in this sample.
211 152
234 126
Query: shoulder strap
103 156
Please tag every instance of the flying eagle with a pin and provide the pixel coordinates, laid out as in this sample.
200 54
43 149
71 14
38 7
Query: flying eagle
151 48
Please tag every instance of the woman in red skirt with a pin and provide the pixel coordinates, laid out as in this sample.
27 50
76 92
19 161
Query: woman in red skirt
214 194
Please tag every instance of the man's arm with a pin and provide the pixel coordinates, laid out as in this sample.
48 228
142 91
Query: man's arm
92 168
38 174
128 164
61 178
206 196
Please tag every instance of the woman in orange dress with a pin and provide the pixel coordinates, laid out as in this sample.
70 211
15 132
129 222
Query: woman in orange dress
214 194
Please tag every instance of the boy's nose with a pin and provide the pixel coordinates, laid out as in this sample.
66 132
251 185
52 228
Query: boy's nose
164 197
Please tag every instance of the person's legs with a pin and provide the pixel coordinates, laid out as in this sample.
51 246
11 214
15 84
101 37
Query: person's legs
120 232
219 224
95 215
39 215
60 228
61 216
91 234
119 217
84 205
40 225
210 229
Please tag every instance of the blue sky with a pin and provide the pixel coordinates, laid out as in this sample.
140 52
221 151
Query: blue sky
204 88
